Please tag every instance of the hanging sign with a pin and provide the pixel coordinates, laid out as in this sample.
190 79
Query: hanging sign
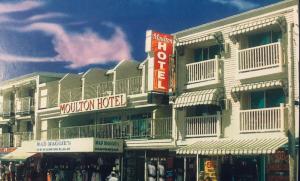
161 46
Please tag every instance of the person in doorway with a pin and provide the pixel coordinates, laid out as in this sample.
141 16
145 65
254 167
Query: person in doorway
19 171
151 171
2 171
12 171
179 175
113 176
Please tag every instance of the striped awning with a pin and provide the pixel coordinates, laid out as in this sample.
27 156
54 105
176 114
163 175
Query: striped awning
203 97
193 39
234 146
18 154
257 24
235 91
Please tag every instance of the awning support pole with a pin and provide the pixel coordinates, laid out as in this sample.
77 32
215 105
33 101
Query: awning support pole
197 167
145 170
184 169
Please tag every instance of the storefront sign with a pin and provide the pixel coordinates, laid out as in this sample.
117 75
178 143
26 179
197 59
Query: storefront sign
210 170
109 145
99 103
76 145
161 45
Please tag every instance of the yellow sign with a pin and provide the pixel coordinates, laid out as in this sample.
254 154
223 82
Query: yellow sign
210 170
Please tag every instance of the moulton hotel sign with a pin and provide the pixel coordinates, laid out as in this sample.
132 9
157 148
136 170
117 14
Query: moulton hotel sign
107 102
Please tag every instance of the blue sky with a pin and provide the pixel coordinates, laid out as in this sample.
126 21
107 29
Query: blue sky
73 36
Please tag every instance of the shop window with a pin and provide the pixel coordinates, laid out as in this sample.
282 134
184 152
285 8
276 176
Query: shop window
141 124
206 53
267 98
202 110
263 38
112 119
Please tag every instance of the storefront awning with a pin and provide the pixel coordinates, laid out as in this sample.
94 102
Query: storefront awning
235 91
203 97
18 154
256 24
234 146
193 39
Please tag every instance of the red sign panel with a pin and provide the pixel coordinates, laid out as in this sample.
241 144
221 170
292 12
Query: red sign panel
162 48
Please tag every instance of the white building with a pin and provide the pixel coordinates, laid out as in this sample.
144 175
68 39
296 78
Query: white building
237 89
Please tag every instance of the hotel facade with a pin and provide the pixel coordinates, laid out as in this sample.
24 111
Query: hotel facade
232 112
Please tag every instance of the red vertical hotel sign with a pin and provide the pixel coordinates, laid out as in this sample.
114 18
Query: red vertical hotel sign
162 48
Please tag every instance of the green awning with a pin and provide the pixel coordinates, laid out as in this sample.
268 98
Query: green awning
235 91
203 97
234 146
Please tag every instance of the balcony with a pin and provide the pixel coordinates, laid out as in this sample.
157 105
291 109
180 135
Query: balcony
129 86
260 61
144 128
22 136
23 105
203 126
263 120
5 140
203 73
5 109
70 95
98 90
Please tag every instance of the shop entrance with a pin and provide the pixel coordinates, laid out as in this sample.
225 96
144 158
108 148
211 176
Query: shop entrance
80 165
240 168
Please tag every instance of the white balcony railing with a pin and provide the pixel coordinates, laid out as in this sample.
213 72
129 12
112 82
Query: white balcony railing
260 57
132 129
5 108
70 95
23 105
203 71
129 86
5 140
203 126
262 120
98 90
22 136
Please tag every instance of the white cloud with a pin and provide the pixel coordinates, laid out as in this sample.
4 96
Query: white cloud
80 49
18 7
239 4
46 16
15 58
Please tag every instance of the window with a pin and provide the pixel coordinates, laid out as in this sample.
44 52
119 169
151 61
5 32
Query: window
202 110
206 53
112 119
267 98
263 38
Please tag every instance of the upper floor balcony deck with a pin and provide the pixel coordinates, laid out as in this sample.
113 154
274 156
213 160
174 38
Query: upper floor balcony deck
203 126
263 120
5 109
18 137
260 60
6 140
132 129
24 105
203 73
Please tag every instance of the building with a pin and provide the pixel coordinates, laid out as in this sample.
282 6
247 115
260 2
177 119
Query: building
237 82
232 114
18 107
